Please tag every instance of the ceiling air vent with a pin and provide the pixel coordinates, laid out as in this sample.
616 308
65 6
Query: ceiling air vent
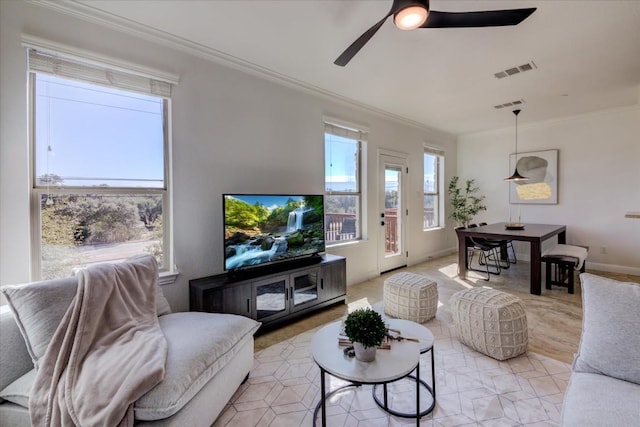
509 104
515 70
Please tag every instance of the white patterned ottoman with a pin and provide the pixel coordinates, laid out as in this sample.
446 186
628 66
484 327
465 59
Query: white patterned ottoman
410 296
490 321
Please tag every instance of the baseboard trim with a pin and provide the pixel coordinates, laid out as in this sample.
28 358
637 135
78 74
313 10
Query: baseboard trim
612 268
434 255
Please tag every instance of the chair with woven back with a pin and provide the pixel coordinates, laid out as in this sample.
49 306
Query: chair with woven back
507 244
487 252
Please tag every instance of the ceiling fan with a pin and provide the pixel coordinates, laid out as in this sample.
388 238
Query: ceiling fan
412 14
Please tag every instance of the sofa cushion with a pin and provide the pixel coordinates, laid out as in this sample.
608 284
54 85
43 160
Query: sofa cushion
199 345
610 339
38 308
19 390
593 400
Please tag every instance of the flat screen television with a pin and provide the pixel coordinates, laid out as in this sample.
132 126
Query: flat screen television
261 229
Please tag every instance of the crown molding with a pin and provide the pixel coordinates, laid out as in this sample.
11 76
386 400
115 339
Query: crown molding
555 121
90 14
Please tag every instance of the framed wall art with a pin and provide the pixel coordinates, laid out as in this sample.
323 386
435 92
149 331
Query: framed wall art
541 167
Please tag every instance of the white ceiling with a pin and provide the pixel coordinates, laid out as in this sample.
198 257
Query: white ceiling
587 54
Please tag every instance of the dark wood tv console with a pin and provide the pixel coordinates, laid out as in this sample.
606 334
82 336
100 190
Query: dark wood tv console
275 297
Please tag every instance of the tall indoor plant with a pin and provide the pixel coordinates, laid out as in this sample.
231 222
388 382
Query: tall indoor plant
466 204
366 330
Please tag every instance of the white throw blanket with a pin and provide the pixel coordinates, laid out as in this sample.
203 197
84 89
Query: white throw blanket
577 252
107 352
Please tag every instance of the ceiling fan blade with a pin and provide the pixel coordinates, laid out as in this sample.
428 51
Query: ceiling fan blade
488 18
355 47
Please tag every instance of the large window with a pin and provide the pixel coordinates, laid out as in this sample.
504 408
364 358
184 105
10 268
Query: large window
100 173
433 160
343 197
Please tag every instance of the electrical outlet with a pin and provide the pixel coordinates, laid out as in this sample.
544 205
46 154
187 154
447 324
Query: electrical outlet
603 250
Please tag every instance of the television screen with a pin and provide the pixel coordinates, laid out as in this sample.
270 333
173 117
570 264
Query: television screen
261 229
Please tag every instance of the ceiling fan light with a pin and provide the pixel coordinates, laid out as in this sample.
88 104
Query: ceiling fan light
410 17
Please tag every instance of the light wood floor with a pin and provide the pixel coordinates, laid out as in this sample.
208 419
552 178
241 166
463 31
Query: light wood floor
554 318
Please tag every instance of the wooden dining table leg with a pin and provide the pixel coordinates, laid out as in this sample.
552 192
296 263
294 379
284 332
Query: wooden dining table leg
562 237
535 273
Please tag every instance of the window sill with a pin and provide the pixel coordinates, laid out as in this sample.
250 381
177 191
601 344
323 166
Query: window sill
426 230
346 244
167 277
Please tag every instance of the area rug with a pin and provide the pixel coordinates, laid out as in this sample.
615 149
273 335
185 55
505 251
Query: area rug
472 389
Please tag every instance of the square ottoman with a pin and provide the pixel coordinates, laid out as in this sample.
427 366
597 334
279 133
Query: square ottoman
410 296
490 321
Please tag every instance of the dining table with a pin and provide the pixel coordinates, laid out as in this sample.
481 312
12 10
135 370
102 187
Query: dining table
535 234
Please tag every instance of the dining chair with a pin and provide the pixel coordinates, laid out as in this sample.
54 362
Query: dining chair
485 252
508 244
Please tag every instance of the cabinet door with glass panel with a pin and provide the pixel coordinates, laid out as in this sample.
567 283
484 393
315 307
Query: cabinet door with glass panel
271 298
304 289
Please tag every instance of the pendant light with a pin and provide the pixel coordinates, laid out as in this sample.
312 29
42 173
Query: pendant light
516 176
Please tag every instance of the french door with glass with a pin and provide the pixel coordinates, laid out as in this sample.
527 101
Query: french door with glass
393 212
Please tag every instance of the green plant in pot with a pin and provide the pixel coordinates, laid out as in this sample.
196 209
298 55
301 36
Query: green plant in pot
366 330
466 204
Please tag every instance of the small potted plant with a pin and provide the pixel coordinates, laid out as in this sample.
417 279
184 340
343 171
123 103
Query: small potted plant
366 330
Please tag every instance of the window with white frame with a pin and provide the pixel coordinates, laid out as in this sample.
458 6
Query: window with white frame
100 171
343 196
433 161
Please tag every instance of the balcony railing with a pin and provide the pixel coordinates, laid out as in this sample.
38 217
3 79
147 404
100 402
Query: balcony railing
342 226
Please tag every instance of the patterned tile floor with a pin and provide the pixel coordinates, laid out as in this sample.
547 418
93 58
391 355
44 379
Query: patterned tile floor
472 389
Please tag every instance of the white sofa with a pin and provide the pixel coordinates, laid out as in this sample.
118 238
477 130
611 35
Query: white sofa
604 389
208 356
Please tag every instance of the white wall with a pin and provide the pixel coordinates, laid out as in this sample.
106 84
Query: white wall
599 180
232 132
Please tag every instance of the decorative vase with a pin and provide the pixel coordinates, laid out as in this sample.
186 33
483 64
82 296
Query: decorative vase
364 354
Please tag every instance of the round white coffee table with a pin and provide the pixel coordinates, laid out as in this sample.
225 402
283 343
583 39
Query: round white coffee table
388 366
409 329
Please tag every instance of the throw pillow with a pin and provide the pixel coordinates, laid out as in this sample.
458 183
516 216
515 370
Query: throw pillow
610 339
38 308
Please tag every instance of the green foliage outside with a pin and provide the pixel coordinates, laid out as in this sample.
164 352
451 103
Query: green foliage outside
72 220
156 248
149 210
466 204
69 222
342 204
391 199
366 327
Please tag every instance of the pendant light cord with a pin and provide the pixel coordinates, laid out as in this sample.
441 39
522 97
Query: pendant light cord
516 112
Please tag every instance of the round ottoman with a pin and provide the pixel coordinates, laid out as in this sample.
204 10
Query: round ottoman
410 296
490 321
